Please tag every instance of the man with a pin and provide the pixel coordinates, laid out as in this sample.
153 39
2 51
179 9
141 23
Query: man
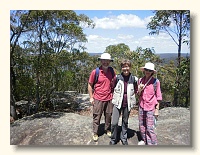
101 94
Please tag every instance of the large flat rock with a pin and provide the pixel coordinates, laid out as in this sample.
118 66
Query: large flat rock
173 128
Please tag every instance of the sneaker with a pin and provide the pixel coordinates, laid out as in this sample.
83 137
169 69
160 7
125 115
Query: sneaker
108 133
95 137
124 143
141 142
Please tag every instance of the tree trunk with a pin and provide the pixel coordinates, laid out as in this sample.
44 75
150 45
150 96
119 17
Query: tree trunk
12 90
179 61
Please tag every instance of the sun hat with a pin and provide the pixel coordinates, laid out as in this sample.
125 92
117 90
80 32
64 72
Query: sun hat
149 66
105 56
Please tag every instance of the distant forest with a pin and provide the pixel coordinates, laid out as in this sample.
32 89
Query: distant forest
166 56
44 58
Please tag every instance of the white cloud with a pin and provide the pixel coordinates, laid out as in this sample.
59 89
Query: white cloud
147 38
164 36
97 43
134 36
125 37
97 38
120 21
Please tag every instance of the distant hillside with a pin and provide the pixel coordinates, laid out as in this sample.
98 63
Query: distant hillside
172 55
94 54
165 56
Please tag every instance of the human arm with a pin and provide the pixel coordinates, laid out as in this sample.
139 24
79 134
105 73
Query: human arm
90 92
156 113
90 86
135 84
140 87
158 97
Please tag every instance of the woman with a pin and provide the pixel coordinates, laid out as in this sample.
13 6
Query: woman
123 100
149 98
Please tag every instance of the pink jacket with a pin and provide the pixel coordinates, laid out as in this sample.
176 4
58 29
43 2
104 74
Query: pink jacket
149 97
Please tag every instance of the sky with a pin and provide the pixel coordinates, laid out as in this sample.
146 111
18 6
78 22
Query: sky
128 27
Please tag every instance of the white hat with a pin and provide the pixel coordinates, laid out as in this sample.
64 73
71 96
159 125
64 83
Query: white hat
149 66
105 56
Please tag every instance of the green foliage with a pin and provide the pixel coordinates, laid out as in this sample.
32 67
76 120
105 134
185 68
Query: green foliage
171 22
184 82
44 34
176 23
46 60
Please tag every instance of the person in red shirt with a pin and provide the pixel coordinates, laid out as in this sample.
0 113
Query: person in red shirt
101 96
149 98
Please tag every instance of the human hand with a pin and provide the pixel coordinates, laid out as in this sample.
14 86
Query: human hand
140 87
92 100
156 113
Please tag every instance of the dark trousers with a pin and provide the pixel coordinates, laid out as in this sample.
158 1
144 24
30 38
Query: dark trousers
114 123
99 108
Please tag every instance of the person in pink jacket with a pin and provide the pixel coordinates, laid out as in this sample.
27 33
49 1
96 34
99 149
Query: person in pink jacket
150 95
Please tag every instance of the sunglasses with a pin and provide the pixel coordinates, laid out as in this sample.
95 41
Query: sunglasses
148 70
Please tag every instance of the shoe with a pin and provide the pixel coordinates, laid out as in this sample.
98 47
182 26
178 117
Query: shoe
125 143
141 142
95 137
112 143
108 133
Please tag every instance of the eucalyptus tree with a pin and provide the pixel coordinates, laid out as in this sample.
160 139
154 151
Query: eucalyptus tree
140 56
184 71
166 74
46 34
81 72
117 53
58 30
176 23
18 26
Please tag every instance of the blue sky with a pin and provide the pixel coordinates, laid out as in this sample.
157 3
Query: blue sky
125 26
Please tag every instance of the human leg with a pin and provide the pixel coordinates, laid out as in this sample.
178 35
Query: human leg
123 134
150 134
142 124
114 125
108 108
97 112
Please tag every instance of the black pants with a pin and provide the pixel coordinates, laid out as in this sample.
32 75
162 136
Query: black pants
114 123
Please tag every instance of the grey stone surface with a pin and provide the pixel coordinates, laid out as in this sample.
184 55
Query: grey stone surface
58 128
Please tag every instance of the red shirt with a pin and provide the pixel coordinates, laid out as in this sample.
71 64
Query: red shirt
102 89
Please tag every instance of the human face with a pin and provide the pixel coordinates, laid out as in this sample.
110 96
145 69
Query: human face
125 70
105 63
148 72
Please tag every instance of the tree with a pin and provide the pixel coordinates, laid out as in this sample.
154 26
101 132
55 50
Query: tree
18 22
117 52
41 34
172 22
176 23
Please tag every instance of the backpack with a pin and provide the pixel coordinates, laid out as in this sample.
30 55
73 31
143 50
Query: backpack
155 84
97 75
